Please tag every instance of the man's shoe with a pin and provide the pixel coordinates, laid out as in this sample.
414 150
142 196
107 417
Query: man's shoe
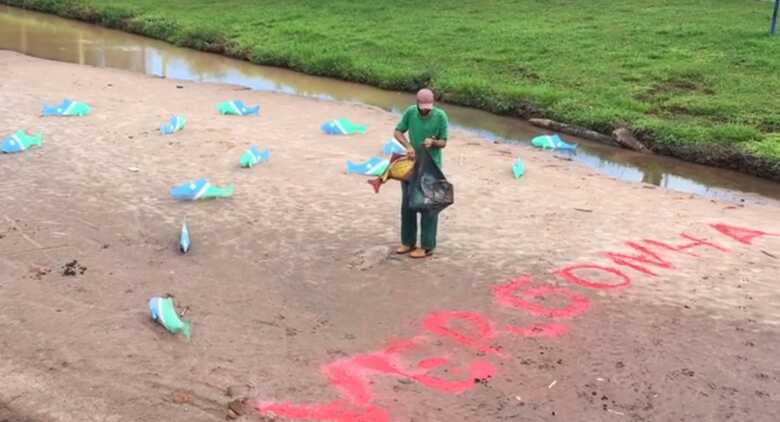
421 253
403 250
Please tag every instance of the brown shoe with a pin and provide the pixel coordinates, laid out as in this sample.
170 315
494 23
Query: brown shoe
403 250
421 253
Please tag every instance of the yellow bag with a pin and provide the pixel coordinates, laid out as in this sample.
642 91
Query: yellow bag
401 168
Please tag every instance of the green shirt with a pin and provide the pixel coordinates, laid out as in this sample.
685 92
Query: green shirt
433 126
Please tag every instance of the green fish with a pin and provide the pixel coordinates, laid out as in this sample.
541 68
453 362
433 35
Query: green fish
20 141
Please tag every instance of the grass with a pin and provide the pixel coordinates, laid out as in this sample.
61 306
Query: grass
690 73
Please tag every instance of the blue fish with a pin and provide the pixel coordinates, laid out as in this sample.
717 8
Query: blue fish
200 189
190 190
552 142
237 108
518 168
174 125
20 141
374 166
342 127
66 108
184 239
163 311
393 147
253 157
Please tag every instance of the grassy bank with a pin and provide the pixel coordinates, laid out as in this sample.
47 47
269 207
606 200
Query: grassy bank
699 79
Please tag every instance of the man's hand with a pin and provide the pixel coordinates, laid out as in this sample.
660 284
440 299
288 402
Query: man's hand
400 137
434 143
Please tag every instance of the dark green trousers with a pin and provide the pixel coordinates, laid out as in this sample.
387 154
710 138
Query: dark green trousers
428 223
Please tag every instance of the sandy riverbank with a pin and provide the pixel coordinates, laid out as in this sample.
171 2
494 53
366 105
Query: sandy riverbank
293 272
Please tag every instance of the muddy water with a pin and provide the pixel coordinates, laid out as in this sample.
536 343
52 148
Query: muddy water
59 39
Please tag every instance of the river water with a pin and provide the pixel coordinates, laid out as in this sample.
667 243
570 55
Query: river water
50 37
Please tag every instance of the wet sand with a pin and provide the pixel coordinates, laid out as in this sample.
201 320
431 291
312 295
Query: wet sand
295 272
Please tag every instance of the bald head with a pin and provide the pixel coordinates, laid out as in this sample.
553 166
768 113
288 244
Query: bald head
425 99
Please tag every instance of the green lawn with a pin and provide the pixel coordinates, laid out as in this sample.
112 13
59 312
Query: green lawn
677 71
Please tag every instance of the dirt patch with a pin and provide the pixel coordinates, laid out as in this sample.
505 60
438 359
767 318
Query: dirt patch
182 397
73 269
7 414
240 407
39 272
673 87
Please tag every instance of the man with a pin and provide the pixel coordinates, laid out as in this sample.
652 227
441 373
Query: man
427 128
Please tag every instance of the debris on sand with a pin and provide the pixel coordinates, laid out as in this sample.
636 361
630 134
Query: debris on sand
73 268
182 397
563 158
239 407
40 272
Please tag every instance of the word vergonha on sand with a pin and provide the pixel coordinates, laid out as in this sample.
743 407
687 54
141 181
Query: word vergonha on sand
342 127
20 141
518 168
164 313
184 239
427 358
66 108
237 108
393 147
200 189
400 168
374 166
253 157
552 142
174 125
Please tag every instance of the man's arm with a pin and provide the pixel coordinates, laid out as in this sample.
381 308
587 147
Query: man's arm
399 135
440 140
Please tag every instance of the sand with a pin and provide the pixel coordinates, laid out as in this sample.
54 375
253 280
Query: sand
295 271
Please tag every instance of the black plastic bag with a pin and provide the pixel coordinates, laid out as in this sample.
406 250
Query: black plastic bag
429 190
